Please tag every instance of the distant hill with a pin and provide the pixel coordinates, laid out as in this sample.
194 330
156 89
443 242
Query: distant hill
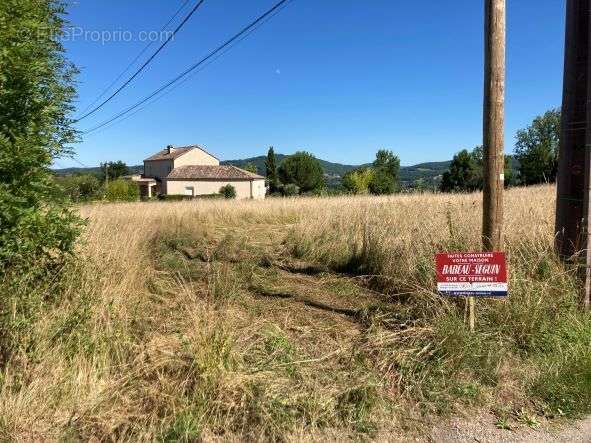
430 173
333 169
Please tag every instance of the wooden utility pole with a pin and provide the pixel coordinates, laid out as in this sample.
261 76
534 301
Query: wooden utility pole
493 124
572 202
493 131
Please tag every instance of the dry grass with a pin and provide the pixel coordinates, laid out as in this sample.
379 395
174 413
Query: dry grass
208 319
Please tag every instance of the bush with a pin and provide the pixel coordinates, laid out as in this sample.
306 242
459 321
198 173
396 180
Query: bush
357 181
228 191
81 188
289 190
122 190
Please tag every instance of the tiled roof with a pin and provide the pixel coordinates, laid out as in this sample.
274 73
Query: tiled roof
176 152
226 172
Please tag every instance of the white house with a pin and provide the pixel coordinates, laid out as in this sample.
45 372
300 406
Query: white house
191 171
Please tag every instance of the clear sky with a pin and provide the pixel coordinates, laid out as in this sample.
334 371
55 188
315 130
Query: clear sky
338 78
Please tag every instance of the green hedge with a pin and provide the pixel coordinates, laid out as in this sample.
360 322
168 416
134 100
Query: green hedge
122 190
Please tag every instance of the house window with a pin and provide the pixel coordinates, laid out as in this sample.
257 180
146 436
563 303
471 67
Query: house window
189 190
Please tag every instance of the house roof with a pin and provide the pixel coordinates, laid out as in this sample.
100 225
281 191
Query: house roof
176 153
208 172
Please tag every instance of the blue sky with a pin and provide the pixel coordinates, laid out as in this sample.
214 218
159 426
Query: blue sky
338 78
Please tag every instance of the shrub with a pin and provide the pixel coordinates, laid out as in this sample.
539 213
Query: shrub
122 190
357 181
81 188
228 191
289 190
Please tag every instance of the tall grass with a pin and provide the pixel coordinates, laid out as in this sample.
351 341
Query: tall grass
132 341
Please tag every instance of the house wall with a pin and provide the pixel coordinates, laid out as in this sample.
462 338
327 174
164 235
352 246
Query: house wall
157 168
244 188
196 157
258 189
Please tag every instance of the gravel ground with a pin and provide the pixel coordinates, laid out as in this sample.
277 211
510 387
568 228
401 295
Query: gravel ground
483 430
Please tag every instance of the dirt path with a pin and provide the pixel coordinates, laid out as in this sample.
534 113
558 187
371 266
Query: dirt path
483 430
312 321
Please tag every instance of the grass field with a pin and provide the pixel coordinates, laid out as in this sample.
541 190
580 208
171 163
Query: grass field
289 319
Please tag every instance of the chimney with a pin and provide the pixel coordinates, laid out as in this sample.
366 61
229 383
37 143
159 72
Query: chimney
169 149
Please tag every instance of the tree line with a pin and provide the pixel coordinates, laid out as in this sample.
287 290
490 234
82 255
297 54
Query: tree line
536 157
535 161
107 184
302 173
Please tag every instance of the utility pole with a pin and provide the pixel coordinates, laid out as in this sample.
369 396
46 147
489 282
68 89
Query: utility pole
493 131
493 124
572 200
106 175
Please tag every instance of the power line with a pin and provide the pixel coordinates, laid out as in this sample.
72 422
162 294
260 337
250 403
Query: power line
98 130
196 65
133 62
79 162
170 37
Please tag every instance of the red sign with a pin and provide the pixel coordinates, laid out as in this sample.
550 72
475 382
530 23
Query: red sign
472 274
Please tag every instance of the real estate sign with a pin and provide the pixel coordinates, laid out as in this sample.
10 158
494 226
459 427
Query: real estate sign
472 274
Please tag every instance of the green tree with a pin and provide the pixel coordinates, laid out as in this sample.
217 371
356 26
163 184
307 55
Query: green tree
382 182
510 178
386 168
122 190
251 167
303 170
36 93
228 191
536 149
464 173
357 181
114 170
271 171
478 156
389 163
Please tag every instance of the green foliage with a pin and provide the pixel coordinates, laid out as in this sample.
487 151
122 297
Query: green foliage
381 178
251 167
81 188
122 190
510 176
228 191
36 91
465 172
302 169
289 190
388 163
382 183
271 171
358 180
386 175
537 147
114 170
